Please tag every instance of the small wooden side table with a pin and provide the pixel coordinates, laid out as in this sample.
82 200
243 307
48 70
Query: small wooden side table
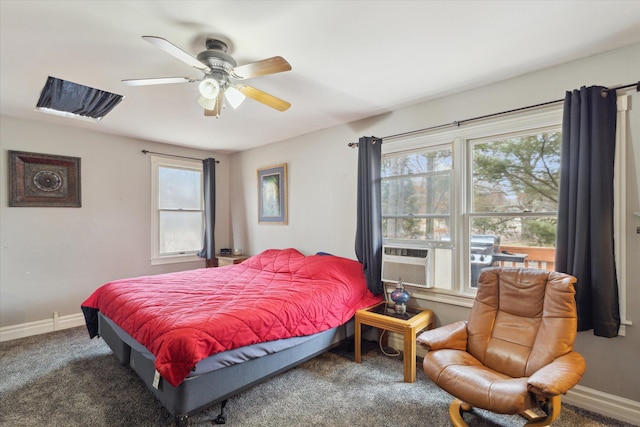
383 316
230 259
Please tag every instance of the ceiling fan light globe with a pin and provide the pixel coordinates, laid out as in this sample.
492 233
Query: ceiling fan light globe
209 88
206 103
234 96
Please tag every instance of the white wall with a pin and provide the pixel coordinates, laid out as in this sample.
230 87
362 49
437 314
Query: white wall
321 195
51 259
322 191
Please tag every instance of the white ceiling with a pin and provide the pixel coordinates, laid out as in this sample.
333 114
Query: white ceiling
350 59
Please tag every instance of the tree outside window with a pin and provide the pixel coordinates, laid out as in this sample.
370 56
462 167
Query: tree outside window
518 175
416 195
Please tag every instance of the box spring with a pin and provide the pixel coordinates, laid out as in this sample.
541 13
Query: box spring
200 390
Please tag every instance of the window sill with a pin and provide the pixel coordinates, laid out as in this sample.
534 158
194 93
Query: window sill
458 300
429 294
176 259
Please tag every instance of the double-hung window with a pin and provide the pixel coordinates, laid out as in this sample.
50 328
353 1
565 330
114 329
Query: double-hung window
177 211
513 192
479 195
417 194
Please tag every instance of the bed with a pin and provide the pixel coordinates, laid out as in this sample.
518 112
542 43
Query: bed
198 337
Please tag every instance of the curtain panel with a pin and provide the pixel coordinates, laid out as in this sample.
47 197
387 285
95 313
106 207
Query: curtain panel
368 243
585 246
209 188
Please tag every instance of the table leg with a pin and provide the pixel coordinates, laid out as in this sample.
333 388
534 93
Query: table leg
409 355
357 339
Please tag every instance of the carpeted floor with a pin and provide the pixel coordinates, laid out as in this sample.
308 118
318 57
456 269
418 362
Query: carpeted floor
66 379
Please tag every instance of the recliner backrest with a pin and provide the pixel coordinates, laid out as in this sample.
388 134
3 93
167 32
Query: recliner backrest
522 319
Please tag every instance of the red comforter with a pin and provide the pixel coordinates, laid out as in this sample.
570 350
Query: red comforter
187 316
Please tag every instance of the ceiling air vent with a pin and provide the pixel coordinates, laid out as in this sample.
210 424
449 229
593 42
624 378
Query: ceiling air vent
68 99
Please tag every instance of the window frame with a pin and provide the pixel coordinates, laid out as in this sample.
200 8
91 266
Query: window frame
156 163
460 138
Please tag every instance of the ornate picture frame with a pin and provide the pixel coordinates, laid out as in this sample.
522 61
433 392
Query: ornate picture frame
272 195
43 180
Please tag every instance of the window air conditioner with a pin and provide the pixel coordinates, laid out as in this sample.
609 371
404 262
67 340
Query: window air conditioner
413 266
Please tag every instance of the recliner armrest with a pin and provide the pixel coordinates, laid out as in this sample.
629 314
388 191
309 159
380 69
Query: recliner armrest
453 336
559 376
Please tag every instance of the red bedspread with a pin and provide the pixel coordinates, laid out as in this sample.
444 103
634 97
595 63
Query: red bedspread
187 316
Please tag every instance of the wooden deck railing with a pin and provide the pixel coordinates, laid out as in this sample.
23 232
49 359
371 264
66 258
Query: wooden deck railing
537 257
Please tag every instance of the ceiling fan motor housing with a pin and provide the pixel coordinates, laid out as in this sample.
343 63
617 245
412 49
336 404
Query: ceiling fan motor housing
217 59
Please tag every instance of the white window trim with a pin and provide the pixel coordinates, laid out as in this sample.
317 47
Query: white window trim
156 258
620 208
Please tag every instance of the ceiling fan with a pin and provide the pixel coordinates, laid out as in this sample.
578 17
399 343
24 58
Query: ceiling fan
220 69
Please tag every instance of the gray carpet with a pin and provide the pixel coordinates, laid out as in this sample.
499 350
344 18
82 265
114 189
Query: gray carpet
66 379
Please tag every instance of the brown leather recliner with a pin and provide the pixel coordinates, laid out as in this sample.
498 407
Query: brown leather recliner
515 352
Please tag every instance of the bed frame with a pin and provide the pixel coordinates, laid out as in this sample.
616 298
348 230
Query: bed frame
198 392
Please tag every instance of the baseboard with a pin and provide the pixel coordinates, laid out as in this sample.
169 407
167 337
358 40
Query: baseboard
606 404
38 327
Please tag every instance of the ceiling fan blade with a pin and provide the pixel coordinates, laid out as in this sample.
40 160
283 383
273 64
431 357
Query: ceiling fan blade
276 64
265 98
157 81
175 51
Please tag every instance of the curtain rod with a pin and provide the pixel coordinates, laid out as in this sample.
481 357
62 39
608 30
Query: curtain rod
457 123
174 155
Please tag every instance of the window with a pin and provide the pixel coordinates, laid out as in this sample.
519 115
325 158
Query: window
514 200
479 195
177 211
416 194
416 203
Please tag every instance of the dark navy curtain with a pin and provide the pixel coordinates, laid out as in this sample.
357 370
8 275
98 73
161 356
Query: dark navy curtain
209 180
585 247
369 217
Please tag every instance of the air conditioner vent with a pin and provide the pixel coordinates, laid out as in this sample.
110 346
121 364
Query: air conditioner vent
411 265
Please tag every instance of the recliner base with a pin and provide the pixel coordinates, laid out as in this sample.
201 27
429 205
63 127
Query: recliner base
550 407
